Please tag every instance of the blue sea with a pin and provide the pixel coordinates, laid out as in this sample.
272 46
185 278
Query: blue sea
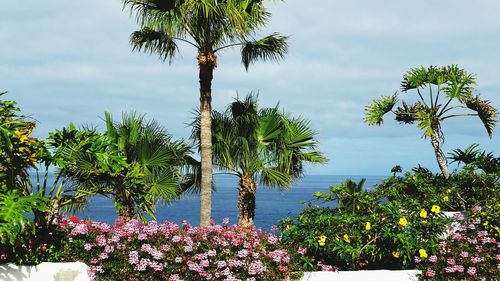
271 204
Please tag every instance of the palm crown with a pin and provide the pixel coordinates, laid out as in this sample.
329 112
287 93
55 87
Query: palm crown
265 145
209 26
449 89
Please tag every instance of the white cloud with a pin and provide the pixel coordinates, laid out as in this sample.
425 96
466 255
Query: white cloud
70 60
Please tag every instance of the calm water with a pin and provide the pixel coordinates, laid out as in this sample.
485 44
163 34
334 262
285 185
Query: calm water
272 204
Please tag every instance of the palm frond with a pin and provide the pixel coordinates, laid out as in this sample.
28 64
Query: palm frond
487 113
406 113
152 41
273 47
467 156
375 111
273 177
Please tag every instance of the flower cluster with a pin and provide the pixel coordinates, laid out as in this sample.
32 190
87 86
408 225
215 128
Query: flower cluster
468 253
167 251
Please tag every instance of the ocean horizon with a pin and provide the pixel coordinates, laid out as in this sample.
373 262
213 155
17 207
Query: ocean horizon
271 204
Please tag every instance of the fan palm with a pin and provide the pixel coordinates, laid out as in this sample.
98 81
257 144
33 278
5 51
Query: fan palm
135 162
449 89
263 145
210 26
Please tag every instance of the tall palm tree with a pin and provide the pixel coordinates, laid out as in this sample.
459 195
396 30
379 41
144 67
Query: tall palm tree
135 162
449 89
263 145
210 26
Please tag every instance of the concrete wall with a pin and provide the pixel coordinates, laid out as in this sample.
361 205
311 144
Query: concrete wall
46 271
77 271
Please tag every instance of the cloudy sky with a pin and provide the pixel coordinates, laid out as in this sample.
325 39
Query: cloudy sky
70 61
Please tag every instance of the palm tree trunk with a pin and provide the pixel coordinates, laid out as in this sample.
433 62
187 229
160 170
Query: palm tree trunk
207 63
441 158
246 201
126 206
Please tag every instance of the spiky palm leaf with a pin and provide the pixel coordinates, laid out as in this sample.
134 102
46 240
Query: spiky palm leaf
375 111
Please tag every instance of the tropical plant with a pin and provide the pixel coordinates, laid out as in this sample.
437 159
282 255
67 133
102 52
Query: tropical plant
14 210
210 26
473 157
449 88
135 162
264 145
462 190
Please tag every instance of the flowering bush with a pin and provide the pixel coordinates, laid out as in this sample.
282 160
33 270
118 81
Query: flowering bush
468 253
361 232
168 251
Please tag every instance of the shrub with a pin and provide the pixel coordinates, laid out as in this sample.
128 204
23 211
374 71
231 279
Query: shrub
367 233
167 251
462 190
468 253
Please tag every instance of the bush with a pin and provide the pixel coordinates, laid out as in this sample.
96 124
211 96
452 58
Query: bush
463 190
362 232
167 251
468 253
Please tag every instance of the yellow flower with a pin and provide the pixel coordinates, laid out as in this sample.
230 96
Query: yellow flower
448 191
395 254
423 253
446 199
414 177
485 223
436 209
346 238
423 213
403 222
424 221
368 226
322 240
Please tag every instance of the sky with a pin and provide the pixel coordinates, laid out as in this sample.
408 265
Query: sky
69 61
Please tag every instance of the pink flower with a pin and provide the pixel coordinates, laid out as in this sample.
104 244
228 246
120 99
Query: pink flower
255 268
272 239
477 209
459 268
451 261
101 240
103 256
464 254
274 228
471 271
449 269
42 247
430 273
433 258
225 221
301 251
417 260
133 257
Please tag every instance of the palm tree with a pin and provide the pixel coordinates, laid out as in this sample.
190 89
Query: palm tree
261 144
135 162
449 89
210 26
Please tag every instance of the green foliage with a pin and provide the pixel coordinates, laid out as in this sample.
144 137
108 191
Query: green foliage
375 234
442 93
210 26
135 162
261 143
472 157
464 189
444 85
14 210
376 110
